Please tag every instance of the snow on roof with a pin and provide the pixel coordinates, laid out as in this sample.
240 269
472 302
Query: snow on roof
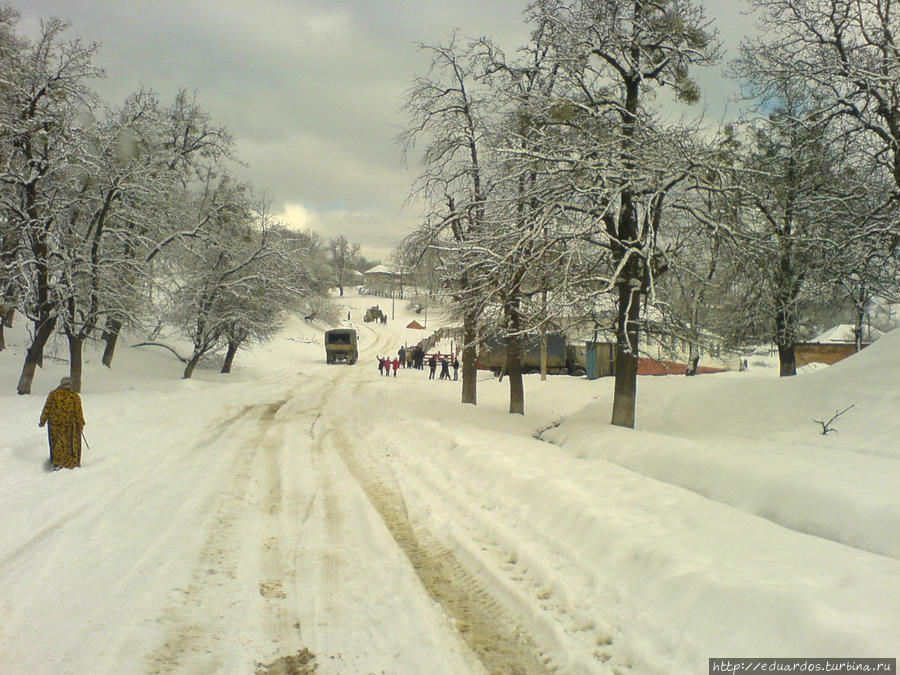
841 333
844 332
381 269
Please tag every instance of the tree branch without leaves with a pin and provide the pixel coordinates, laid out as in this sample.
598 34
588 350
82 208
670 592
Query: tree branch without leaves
160 344
826 426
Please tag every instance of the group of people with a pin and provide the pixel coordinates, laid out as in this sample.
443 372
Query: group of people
445 362
386 364
414 357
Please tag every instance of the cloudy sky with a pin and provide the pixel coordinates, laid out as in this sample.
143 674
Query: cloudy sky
311 89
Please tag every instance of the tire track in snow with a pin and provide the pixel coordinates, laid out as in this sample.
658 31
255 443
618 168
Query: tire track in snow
193 619
496 558
499 642
277 566
38 538
207 610
525 591
331 502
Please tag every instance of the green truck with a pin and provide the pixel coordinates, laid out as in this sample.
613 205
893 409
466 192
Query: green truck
563 357
340 346
492 355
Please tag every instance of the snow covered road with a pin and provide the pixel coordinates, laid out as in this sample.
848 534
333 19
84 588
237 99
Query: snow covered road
215 529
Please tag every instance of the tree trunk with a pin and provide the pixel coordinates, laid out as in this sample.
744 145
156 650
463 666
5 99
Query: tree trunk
229 355
625 390
787 361
785 341
110 337
858 328
34 357
693 360
191 364
544 338
514 370
76 349
544 356
7 316
469 365
625 232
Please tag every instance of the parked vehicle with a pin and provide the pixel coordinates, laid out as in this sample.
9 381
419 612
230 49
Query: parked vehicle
492 355
340 346
373 314
563 357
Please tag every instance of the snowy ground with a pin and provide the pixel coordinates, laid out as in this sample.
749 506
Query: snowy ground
297 513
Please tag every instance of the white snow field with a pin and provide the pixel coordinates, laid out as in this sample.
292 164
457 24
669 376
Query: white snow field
297 517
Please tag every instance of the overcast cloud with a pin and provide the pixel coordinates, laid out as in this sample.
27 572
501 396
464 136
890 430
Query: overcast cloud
311 89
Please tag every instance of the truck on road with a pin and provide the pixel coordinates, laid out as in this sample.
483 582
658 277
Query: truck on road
340 346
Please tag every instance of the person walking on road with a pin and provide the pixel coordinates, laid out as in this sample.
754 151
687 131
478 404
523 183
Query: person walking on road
445 369
432 366
395 364
455 368
63 411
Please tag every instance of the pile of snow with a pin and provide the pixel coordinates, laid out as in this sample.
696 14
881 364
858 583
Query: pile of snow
754 444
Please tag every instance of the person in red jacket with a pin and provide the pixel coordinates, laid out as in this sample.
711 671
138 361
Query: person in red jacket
396 364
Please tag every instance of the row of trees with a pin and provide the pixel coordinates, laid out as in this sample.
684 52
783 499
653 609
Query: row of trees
127 217
561 186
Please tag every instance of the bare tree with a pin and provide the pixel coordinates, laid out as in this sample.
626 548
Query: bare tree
199 282
621 160
276 279
844 53
11 49
344 258
826 156
43 104
170 150
446 108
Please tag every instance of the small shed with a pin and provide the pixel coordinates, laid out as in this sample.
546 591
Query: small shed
835 344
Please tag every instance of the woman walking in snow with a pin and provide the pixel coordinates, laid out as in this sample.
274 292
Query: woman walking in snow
62 410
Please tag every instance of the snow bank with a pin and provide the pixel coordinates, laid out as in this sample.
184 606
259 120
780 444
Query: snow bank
753 444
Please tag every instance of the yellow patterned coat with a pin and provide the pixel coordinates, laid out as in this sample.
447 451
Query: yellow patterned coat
63 410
